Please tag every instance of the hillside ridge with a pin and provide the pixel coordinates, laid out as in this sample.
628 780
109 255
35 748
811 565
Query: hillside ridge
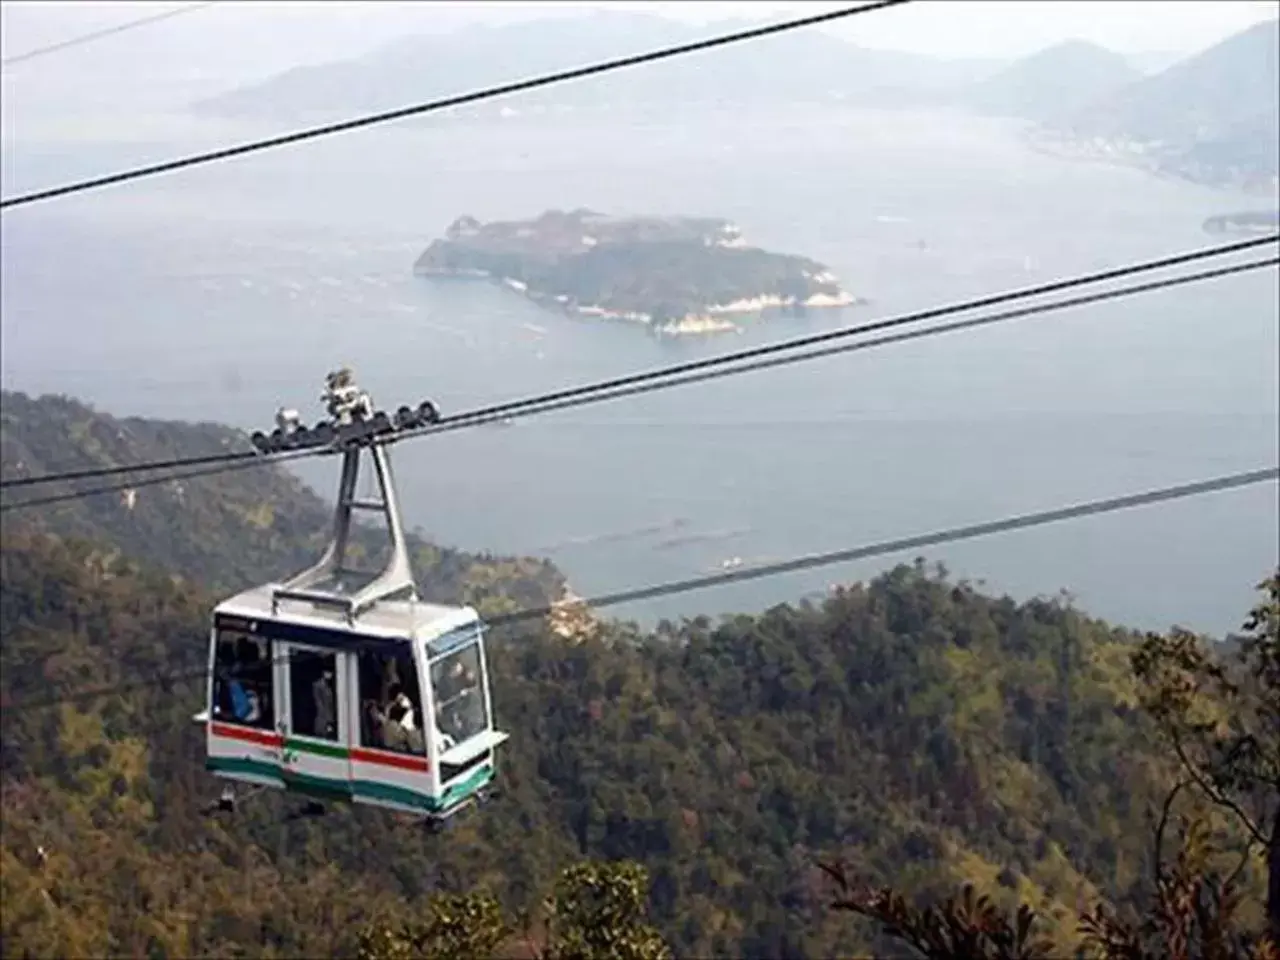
228 530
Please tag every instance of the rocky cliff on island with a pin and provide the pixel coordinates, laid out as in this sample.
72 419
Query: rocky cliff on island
677 275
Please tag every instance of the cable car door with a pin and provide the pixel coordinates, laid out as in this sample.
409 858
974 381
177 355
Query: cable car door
315 720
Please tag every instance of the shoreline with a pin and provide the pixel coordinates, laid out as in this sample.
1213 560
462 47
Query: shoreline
712 318
1132 156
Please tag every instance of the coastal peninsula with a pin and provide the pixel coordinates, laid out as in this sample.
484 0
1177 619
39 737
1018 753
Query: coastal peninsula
1247 223
676 275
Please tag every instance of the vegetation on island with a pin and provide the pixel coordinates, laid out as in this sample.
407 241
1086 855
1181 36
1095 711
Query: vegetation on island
691 791
654 270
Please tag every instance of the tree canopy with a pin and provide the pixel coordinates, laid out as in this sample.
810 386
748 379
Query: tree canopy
671 790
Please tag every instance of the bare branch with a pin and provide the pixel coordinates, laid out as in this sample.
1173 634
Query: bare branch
1213 793
1235 874
1161 826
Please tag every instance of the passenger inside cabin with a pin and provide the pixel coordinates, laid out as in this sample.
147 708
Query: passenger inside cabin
384 733
237 692
244 702
390 678
326 718
443 725
402 713
392 715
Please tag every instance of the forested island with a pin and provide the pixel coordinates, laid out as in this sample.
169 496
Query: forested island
677 275
741 787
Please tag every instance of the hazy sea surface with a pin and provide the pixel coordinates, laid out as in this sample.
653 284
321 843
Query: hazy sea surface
223 292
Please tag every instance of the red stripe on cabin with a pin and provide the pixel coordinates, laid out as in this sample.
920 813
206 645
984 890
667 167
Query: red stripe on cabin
266 738
401 760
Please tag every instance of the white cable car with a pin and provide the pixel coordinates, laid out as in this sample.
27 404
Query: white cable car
345 686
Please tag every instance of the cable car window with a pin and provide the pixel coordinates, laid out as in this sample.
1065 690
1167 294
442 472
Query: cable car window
313 694
460 711
390 703
242 684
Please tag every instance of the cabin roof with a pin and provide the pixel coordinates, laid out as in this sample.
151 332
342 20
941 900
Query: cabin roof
387 618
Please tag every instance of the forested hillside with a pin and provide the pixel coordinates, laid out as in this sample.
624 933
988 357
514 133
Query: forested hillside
227 530
922 732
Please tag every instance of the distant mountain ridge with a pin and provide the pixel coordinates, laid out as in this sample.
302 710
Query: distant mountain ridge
1213 118
802 65
1053 82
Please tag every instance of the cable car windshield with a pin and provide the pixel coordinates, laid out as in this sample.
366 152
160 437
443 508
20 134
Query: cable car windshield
458 685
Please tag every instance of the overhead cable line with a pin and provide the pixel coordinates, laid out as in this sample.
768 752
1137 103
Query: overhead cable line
719 366
794 565
667 376
458 422
241 463
970 532
105 32
432 106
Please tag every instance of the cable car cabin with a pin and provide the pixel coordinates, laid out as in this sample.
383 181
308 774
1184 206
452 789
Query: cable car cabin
396 713
341 684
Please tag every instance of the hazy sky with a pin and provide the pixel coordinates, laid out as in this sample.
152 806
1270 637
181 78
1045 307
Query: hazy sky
179 60
261 35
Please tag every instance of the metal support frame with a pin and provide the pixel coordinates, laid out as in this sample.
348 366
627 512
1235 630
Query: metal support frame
324 583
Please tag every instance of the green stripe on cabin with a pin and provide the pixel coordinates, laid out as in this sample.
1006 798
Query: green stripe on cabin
330 789
254 768
318 748
394 794
464 788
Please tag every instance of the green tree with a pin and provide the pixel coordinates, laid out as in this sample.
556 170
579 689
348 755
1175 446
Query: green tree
1193 913
968 926
468 926
598 912
1221 717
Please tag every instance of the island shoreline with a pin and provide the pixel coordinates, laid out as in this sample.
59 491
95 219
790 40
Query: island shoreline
652 271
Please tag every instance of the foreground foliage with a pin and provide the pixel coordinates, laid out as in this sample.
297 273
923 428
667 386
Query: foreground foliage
1221 718
911 727
923 732
597 912
1194 914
